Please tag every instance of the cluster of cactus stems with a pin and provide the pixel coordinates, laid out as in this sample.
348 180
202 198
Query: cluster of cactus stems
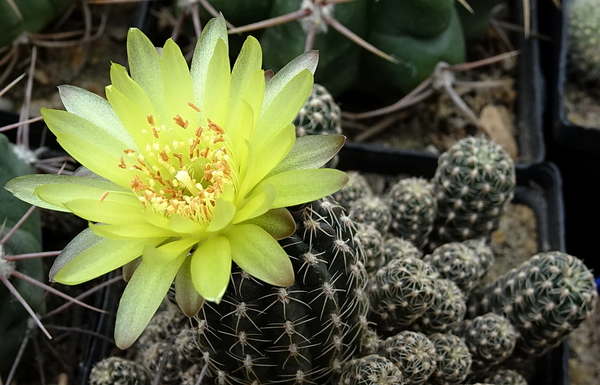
369 306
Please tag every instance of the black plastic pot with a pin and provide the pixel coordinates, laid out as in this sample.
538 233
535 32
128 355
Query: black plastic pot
538 186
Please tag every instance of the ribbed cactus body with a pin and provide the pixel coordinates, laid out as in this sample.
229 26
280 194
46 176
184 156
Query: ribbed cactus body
453 359
447 309
370 370
413 204
491 339
474 179
413 353
372 210
505 377
545 298
320 114
120 371
396 247
260 334
401 292
372 242
357 187
584 38
458 263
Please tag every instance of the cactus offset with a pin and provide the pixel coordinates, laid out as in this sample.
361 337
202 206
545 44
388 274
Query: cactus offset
372 210
117 370
453 359
396 247
320 114
458 263
356 188
370 370
372 242
447 310
413 205
545 298
413 353
505 377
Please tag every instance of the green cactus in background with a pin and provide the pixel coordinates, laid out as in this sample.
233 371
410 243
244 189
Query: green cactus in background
545 298
121 371
413 353
475 24
26 239
458 263
370 342
419 34
453 359
303 332
396 247
584 38
372 210
320 115
372 242
401 292
474 180
483 251
490 337
357 187
447 310
505 377
413 204
370 370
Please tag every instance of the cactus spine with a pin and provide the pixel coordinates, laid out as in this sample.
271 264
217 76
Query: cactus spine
453 359
121 371
320 115
413 353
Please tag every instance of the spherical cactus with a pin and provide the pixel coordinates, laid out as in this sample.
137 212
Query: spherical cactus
584 38
544 298
505 377
483 251
413 204
320 114
474 179
447 310
304 332
121 371
370 370
453 359
372 210
490 337
372 242
401 292
357 187
413 353
458 263
160 357
370 342
396 247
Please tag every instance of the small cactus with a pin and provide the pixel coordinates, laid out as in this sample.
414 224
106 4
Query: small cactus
372 210
474 179
413 353
505 377
320 114
413 205
372 242
491 339
584 38
458 263
370 370
119 371
545 298
453 359
447 310
357 187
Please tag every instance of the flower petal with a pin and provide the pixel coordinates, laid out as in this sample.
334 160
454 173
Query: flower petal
88 256
131 231
177 83
144 65
187 297
23 187
130 114
59 194
273 153
122 82
211 268
279 223
141 298
222 215
95 109
282 110
310 151
107 211
216 93
258 203
167 252
255 251
301 186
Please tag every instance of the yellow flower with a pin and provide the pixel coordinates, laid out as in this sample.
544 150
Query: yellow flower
185 170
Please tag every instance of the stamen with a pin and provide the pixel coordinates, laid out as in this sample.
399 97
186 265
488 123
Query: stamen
150 120
180 122
104 195
195 107
122 163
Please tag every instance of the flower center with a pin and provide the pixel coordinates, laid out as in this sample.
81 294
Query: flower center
182 170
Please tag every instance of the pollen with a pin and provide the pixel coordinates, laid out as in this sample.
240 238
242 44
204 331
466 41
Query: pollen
180 171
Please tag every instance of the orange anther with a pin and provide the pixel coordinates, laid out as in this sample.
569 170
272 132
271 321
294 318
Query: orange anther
195 107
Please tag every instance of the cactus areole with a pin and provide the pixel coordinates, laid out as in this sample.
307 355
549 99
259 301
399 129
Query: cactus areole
185 170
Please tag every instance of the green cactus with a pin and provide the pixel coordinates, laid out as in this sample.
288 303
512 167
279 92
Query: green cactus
490 337
303 332
357 187
483 251
453 359
475 24
162 355
26 239
545 298
413 353
372 210
448 309
401 292
413 205
584 38
372 242
370 342
339 57
119 371
370 370
458 263
396 247
505 377
419 34
474 180
320 115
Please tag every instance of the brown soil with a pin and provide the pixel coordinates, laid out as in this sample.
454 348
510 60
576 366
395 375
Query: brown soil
582 104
